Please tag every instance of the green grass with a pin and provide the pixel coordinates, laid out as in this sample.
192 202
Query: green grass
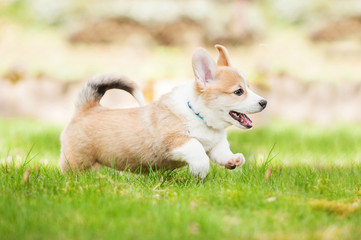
314 190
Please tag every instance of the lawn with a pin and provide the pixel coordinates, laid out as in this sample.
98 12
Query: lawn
300 181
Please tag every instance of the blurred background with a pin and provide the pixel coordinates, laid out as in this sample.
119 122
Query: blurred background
303 56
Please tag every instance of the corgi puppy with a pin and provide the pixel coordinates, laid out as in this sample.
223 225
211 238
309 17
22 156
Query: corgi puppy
184 127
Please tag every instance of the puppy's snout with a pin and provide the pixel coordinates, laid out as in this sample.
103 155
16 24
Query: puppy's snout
263 103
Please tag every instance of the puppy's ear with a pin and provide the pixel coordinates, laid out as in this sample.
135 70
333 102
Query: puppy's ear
204 67
223 59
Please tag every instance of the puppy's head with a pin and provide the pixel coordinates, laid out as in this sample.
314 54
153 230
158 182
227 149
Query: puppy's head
224 90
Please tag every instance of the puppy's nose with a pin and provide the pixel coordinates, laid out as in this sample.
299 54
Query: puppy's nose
263 103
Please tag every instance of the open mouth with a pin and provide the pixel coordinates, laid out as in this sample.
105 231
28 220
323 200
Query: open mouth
241 118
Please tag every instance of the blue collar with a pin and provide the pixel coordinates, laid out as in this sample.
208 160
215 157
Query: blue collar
197 114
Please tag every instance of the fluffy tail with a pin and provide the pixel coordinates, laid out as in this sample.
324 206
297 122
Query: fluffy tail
95 88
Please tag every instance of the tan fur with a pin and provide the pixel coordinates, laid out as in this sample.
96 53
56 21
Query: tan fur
223 59
134 139
229 81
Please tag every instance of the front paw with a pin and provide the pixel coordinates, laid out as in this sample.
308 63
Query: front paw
236 161
199 169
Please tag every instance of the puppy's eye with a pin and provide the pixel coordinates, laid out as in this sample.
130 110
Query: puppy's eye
239 92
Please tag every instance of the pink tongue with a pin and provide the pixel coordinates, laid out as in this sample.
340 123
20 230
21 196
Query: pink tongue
246 120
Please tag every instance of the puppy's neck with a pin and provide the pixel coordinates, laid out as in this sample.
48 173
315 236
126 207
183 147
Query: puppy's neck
184 96
197 114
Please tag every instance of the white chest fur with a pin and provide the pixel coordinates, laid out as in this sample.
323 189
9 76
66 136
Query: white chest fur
197 128
206 136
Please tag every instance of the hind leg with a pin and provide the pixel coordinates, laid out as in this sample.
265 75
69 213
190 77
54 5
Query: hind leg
76 161
95 166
